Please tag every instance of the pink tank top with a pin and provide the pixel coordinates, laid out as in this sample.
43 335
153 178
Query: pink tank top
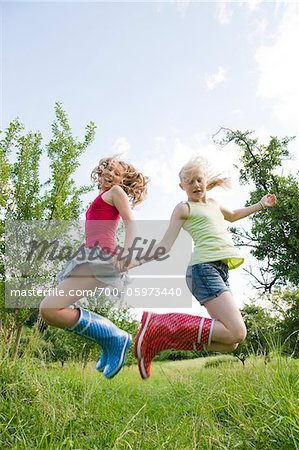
101 225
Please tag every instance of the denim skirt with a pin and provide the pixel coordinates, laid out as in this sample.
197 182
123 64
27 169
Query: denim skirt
207 281
101 268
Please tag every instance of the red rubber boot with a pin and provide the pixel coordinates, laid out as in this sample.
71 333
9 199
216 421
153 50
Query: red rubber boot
169 331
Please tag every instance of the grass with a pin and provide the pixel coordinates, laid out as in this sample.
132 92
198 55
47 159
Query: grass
192 404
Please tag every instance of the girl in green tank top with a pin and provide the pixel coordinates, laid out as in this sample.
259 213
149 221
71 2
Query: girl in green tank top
207 274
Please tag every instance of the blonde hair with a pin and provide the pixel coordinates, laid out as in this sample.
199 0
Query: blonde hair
189 170
134 183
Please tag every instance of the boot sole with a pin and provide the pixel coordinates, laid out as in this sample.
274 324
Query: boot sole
146 317
102 367
126 347
142 370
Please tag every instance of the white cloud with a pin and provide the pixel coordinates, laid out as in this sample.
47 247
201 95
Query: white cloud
223 13
237 112
278 67
253 5
182 6
259 28
121 147
263 135
168 157
165 162
215 78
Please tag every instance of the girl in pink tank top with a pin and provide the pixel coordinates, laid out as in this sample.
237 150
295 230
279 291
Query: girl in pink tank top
101 224
121 186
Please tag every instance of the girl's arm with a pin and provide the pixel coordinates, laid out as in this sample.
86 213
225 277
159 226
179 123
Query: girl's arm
121 202
267 201
178 217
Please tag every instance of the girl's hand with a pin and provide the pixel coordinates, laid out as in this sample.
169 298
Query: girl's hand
268 201
120 264
123 265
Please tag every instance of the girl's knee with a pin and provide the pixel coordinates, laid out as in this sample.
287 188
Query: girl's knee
232 347
243 333
47 314
239 334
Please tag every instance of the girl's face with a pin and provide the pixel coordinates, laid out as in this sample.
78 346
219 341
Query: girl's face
112 174
195 185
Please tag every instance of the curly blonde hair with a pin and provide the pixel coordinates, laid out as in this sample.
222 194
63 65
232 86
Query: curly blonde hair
134 183
190 169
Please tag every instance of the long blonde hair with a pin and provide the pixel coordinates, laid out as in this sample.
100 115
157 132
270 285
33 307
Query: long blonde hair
134 183
190 169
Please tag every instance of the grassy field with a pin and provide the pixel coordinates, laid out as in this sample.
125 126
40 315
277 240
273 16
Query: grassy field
195 404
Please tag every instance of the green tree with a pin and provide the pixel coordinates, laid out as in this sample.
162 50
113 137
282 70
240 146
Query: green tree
286 303
274 235
262 331
24 197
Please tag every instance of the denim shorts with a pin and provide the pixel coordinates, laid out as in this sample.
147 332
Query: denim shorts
207 281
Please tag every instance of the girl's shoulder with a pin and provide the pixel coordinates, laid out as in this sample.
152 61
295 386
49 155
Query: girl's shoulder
210 201
114 195
115 188
185 208
115 191
182 210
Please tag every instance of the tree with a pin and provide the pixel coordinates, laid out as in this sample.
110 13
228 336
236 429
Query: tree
24 197
287 305
262 331
274 235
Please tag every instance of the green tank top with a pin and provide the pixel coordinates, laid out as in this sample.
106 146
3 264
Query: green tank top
212 241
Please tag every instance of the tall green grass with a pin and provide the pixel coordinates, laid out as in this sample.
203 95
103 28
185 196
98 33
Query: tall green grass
192 404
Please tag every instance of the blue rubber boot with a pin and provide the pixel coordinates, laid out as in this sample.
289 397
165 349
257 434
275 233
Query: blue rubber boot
114 341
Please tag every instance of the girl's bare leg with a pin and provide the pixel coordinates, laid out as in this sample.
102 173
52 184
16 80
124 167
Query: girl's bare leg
229 329
55 310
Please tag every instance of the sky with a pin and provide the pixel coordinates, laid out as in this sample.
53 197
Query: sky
158 79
